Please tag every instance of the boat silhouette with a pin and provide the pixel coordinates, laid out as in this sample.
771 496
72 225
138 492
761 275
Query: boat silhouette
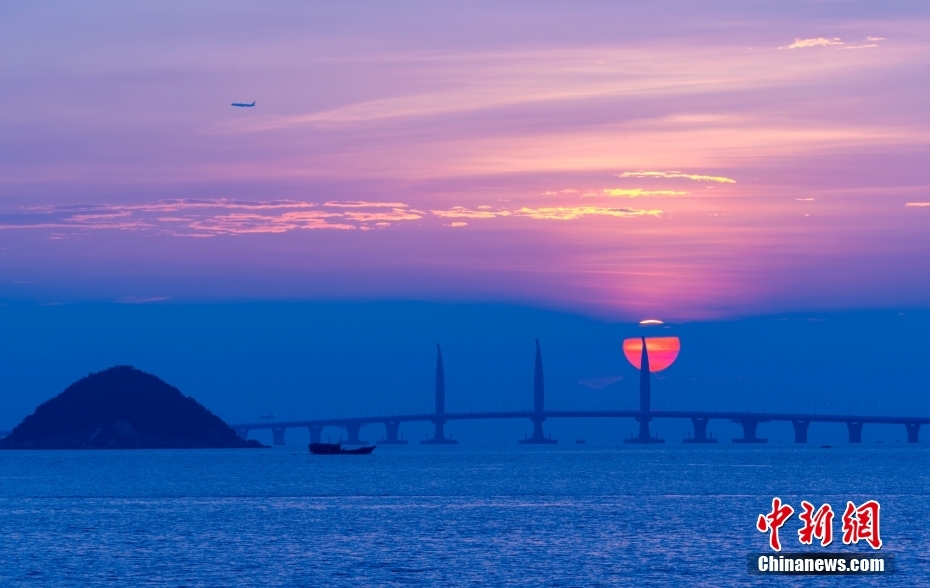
336 449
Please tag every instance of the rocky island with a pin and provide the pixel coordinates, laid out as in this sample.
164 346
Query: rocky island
122 408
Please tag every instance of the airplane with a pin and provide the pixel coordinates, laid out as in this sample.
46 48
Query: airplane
243 104
267 416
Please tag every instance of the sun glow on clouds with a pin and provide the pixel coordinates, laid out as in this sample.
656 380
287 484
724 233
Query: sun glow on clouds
818 42
363 204
676 174
243 223
462 212
634 192
835 41
575 212
545 213
207 218
918 204
396 215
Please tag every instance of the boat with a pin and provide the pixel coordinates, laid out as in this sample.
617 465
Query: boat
579 441
336 449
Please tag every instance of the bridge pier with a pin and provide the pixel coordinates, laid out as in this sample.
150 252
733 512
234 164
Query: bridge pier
855 432
277 433
913 432
644 437
539 391
242 432
390 437
700 431
439 435
800 431
353 429
316 432
749 431
538 438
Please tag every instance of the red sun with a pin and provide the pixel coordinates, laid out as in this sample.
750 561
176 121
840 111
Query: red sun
663 351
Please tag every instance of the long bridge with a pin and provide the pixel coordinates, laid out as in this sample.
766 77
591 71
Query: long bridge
699 418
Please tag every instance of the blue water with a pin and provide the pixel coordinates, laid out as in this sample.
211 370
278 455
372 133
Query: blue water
441 516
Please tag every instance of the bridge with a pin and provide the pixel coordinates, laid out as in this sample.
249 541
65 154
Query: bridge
538 415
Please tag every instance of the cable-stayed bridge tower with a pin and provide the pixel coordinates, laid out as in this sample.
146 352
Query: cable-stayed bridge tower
539 397
645 401
439 435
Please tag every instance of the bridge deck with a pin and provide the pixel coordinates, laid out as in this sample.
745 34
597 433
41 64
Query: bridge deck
654 414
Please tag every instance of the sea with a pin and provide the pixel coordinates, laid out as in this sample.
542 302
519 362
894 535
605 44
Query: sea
562 515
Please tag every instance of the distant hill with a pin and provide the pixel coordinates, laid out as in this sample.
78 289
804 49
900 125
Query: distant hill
122 408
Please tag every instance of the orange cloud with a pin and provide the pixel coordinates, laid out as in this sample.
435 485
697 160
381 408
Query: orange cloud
676 174
572 213
206 218
244 223
398 214
462 212
634 192
363 204
818 42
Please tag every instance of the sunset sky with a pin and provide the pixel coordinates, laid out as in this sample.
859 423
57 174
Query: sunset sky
676 160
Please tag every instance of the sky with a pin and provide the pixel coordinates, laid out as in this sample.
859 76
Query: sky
475 174
692 162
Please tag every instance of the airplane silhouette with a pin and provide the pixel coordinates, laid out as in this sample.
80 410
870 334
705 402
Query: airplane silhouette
243 104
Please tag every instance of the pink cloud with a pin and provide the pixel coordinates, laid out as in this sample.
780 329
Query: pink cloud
676 174
462 212
396 215
363 204
818 42
576 212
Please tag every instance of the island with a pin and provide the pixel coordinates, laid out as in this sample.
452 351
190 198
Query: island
122 408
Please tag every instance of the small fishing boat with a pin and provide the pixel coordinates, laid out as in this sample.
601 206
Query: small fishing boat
336 449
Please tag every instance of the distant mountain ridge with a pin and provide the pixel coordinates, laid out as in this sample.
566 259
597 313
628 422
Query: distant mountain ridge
122 408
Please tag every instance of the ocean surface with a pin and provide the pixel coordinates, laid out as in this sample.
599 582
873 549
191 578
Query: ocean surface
563 515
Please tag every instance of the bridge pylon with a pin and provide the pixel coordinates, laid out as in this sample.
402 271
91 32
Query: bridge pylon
539 393
645 399
439 434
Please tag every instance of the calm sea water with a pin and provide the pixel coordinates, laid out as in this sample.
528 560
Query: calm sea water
441 516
